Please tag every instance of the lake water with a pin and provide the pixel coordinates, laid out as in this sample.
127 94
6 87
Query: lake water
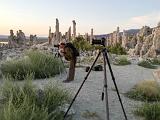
3 42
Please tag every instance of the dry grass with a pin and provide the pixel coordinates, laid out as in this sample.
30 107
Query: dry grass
147 90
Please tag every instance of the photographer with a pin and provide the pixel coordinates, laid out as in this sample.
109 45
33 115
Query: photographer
70 53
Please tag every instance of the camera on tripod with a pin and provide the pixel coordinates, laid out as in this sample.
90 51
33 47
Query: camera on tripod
101 41
57 46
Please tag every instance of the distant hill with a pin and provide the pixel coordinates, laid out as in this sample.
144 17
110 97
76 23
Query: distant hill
130 31
3 36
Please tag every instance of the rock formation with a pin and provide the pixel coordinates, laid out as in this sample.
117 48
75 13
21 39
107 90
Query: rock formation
21 37
50 36
145 43
57 34
91 36
148 42
114 38
74 29
155 48
33 39
68 35
12 40
56 37
124 39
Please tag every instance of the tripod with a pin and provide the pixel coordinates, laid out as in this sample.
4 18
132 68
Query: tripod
57 54
105 59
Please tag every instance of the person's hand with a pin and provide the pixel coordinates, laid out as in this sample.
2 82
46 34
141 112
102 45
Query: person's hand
61 52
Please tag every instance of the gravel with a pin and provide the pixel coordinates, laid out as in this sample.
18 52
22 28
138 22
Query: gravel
88 104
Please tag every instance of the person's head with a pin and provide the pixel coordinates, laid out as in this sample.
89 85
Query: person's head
61 45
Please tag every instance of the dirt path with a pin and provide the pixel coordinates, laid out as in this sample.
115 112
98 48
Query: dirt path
88 105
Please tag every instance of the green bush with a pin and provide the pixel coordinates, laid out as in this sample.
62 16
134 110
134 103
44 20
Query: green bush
41 64
117 49
18 69
146 64
122 61
155 61
26 102
45 65
150 111
81 44
90 60
147 90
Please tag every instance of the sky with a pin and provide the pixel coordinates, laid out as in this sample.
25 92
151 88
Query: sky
35 16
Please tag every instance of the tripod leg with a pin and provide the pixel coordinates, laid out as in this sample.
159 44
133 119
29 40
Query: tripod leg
81 86
113 78
105 87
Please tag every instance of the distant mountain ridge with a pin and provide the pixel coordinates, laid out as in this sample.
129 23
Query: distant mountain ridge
3 36
130 31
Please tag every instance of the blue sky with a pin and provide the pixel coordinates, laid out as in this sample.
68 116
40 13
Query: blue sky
35 16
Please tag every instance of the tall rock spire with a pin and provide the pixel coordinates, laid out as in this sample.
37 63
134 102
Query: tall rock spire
74 29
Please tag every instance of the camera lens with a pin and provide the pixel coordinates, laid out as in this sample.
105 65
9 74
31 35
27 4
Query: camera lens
98 41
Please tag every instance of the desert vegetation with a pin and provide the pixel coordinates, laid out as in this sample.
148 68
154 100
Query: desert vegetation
147 64
155 61
121 60
27 102
41 65
117 49
149 92
81 44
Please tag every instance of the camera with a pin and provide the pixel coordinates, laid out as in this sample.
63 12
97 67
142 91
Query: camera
57 46
101 41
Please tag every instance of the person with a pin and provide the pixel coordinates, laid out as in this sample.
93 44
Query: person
70 53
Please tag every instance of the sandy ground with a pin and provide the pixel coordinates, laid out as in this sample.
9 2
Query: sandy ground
89 99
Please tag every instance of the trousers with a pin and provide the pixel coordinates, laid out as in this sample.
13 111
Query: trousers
71 72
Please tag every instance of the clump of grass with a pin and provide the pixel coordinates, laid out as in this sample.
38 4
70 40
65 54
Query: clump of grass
18 69
155 61
147 90
88 114
41 64
117 49
91 59
150 111
146 64
44 65
27 102
122 60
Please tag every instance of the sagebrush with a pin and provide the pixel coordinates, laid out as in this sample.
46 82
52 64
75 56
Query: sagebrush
41 64
27 102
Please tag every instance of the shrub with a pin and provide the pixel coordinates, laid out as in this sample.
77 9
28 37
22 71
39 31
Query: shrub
81 44
149 111
41 64
155 61
121 61
147 90
90 60
44 65
146 64
18 69
117 49
26 102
